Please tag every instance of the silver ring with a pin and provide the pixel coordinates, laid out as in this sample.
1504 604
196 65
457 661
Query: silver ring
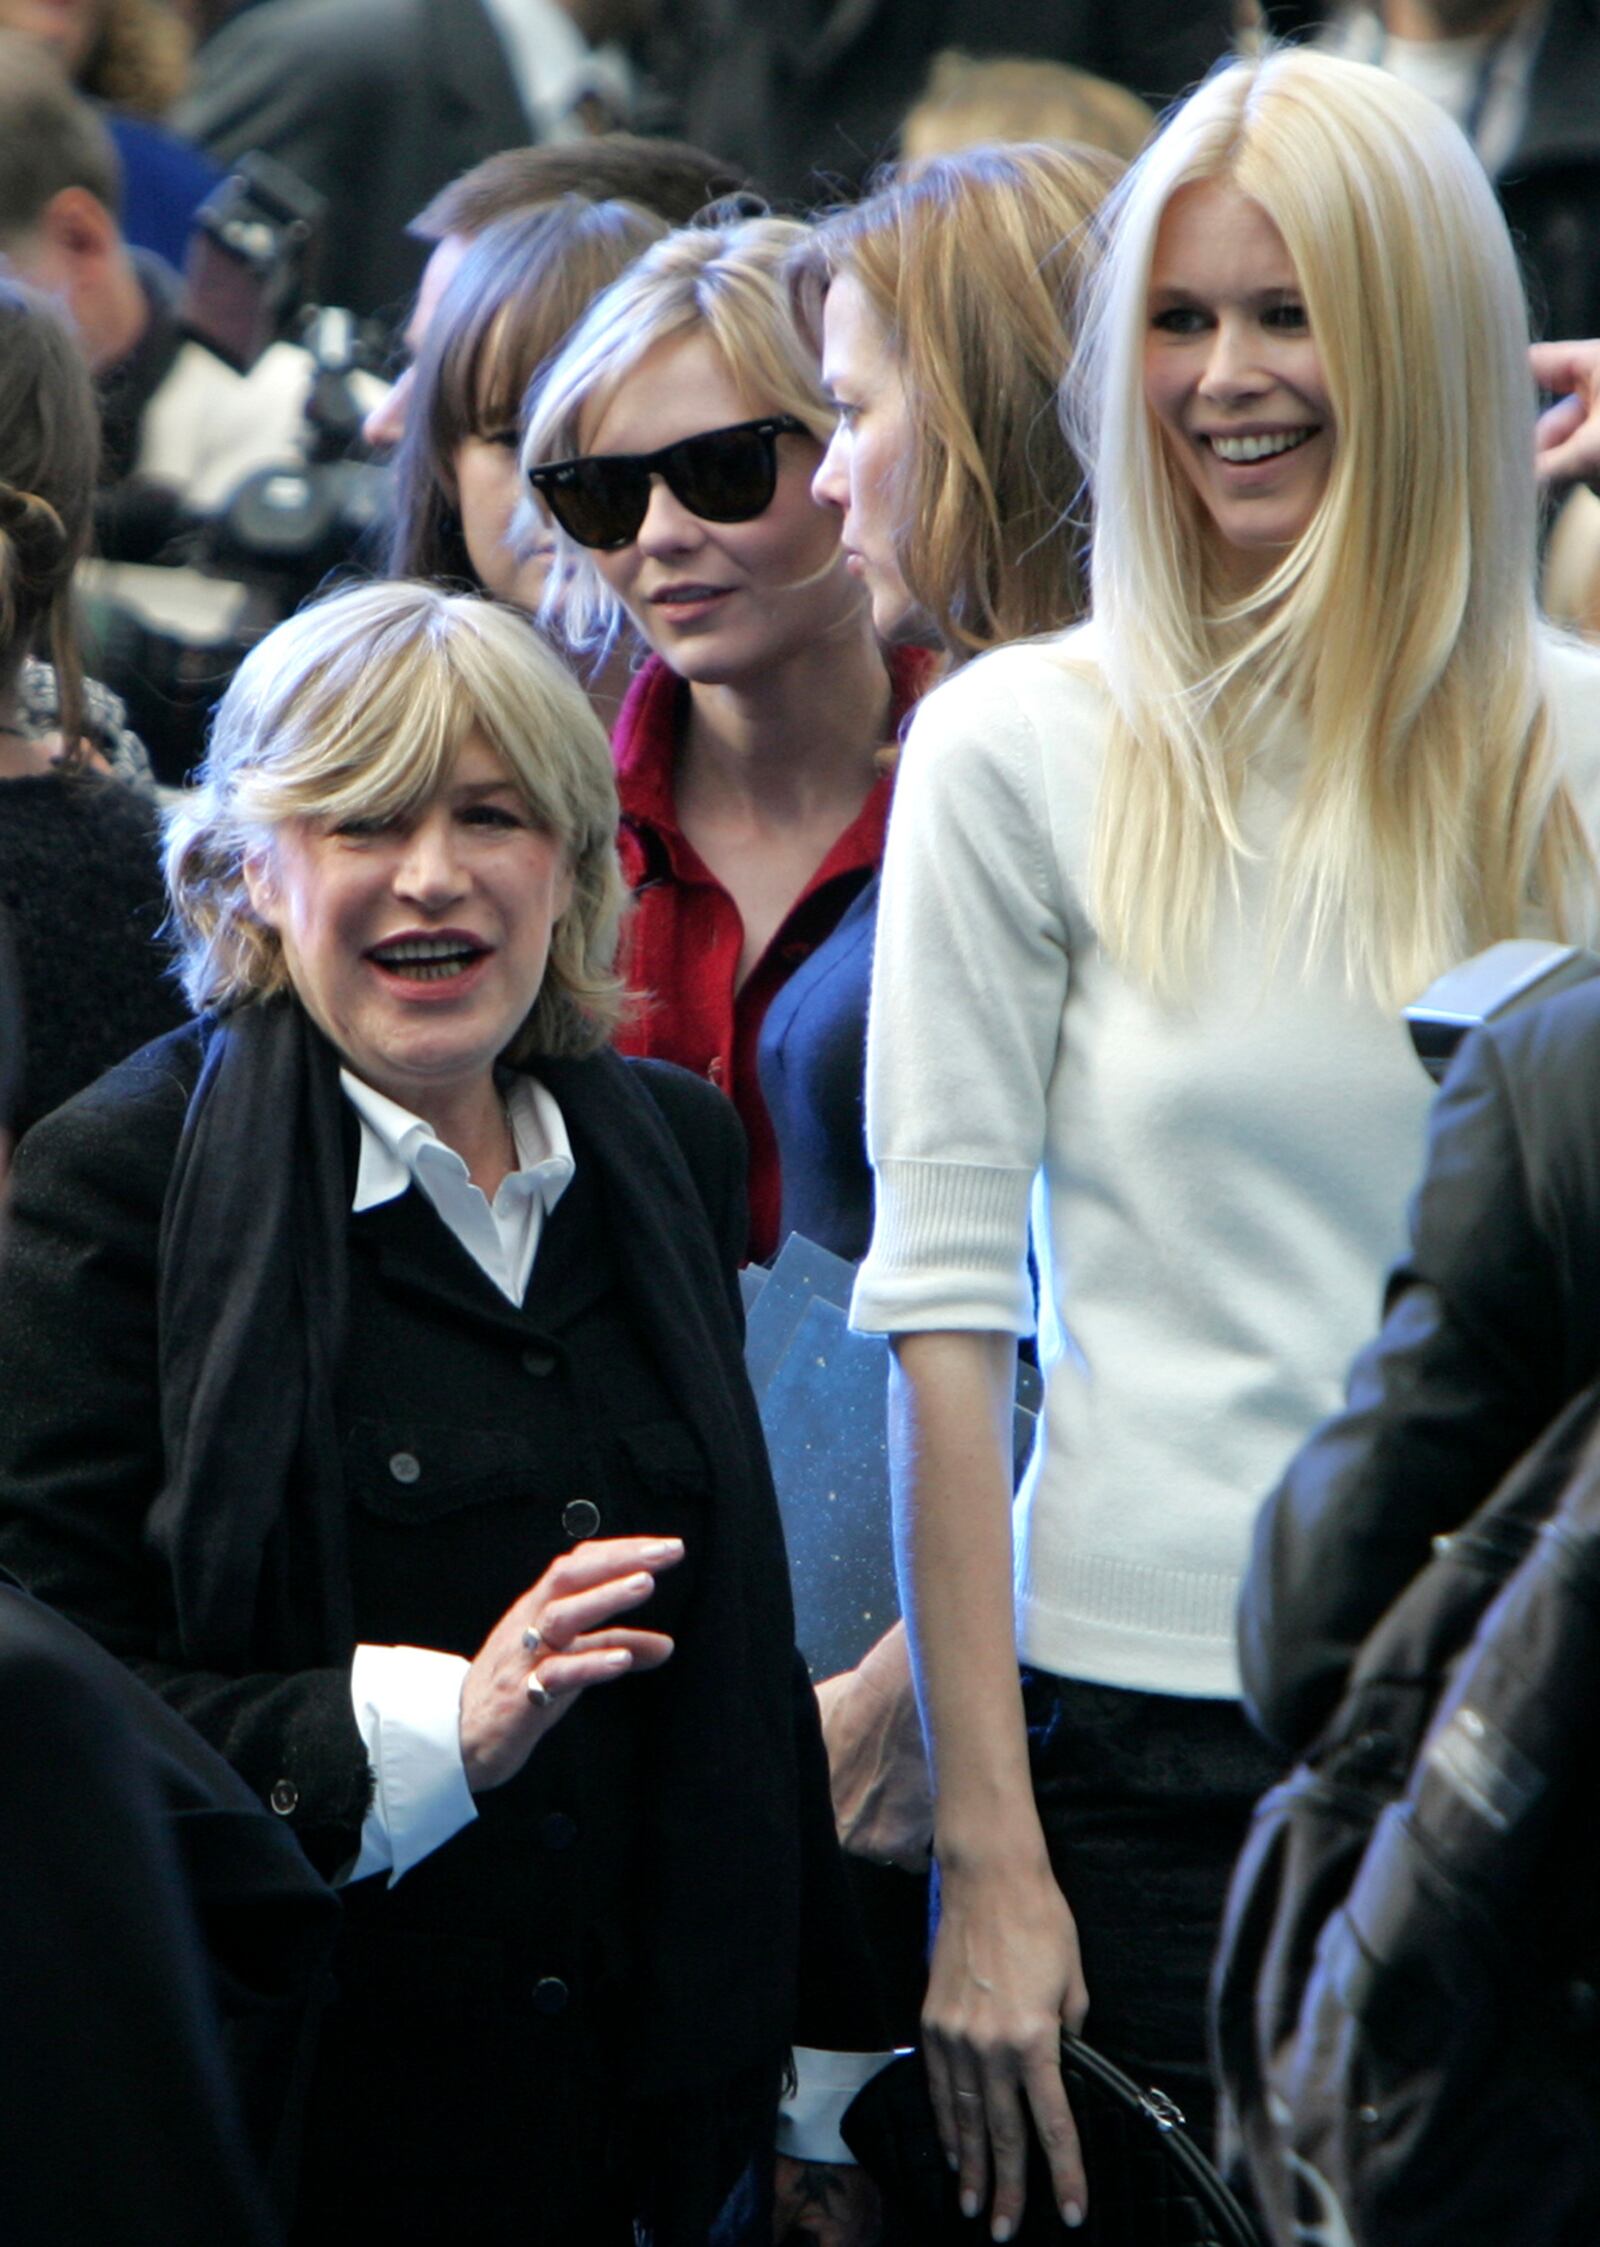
533 1638
975 2096
538 1692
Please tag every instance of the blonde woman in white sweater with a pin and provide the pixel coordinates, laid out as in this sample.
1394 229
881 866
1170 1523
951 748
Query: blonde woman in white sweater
1155 892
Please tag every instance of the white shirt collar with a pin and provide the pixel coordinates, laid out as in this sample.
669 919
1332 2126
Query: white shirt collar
502 1237
555 67
393 1140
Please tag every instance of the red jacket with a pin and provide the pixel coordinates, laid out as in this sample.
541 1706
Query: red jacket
684 937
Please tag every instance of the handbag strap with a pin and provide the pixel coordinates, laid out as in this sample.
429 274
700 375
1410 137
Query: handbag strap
1154 2113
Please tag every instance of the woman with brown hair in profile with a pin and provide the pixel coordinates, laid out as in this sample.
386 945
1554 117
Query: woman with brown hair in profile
944 307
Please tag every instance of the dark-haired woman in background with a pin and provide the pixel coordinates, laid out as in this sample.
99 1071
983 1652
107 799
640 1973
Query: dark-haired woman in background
521 286
79 873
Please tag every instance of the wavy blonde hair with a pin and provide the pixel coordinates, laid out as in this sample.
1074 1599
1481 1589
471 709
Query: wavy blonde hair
972 264
1401 624
727 283
356 708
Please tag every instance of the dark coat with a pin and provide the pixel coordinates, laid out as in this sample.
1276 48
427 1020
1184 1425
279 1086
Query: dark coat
80 886
152 1908
377 104
444 1377
1549 186
810 97
1491 1326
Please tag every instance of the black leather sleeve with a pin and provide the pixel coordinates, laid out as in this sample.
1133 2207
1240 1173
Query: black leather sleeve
1491 1326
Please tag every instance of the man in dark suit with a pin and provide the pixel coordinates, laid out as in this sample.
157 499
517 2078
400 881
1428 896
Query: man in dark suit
1522 80
144 1896
378 103
810 96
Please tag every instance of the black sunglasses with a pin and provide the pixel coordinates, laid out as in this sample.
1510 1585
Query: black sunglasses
724 476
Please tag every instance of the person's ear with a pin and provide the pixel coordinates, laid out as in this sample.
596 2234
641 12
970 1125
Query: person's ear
78 227
261 887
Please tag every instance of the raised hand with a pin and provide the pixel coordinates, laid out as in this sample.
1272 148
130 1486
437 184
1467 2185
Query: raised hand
553 1643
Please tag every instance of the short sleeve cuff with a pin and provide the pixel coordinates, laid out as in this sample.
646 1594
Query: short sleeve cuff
949 1250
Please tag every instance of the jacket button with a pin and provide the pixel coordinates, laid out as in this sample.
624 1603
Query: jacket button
551 1995
285 1797
557 1830
405 1466
580 1519
538 1362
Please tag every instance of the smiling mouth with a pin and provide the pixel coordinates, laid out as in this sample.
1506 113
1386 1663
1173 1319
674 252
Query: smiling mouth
684 596
427 959
1241 450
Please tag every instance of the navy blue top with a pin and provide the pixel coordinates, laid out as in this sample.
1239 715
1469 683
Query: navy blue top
812 1059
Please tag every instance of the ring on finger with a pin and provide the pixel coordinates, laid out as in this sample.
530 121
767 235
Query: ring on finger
975 2096
538 1692
533 1638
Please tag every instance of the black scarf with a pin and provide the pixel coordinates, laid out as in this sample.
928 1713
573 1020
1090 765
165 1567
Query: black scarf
253 1287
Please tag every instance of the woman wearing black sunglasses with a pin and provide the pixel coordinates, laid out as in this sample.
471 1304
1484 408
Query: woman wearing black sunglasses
672 444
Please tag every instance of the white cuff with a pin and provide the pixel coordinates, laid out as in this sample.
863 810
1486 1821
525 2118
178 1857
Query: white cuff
407 1702
808 2121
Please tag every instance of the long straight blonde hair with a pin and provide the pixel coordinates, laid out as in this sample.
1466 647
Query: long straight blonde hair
1400 627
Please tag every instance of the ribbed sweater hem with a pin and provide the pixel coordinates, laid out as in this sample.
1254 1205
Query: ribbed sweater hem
1134 1655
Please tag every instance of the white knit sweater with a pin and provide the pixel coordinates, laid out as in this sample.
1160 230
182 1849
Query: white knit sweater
1221 1185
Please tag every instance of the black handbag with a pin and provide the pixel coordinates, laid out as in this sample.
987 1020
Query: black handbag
1149 2186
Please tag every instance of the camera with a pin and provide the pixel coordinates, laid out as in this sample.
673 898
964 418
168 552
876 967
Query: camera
181 594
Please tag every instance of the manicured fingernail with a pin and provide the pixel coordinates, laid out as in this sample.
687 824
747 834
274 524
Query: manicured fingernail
663 1547
969 2201
1071 2214
616 1658
1000 2229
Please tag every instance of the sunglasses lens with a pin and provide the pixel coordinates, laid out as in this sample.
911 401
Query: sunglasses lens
599 502
727 476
